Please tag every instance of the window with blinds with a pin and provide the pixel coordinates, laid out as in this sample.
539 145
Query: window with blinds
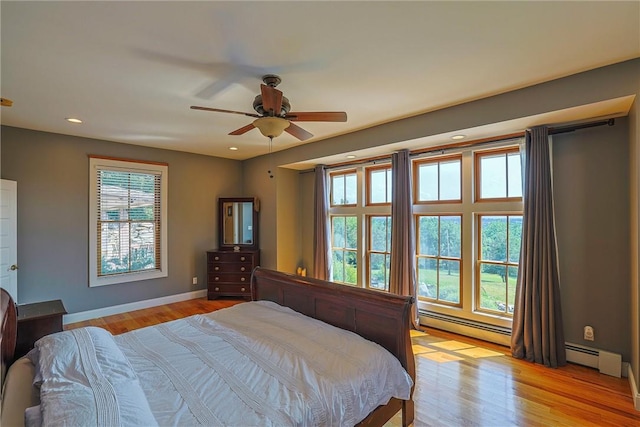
128 221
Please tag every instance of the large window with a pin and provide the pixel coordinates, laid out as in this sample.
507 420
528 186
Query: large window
128 221
360 216
467 207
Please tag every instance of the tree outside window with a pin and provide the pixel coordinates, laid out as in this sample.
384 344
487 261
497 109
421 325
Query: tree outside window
344 249
439 258
379 251
500 239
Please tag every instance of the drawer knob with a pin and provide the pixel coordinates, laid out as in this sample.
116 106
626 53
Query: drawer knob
216 289
242 289
216 268
216 258
216 278
242 269
242 279
242 258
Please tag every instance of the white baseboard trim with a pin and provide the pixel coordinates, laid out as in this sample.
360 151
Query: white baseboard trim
138 305
634 389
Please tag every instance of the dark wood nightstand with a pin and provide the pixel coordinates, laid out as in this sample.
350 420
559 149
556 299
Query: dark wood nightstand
35 321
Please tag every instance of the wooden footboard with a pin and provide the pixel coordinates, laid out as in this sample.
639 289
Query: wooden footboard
375 315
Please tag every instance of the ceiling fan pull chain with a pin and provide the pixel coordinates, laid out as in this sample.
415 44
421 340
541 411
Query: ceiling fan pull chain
270 157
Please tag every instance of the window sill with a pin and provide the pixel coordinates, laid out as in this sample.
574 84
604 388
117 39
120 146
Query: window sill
126 278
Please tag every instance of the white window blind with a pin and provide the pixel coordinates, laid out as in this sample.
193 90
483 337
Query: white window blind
128 221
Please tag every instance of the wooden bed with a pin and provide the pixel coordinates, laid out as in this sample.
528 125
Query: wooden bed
374 315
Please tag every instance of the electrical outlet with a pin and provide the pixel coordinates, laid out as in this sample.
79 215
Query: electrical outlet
588 333
194 281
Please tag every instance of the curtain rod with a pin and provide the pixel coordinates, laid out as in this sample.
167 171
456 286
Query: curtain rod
552 131
571 128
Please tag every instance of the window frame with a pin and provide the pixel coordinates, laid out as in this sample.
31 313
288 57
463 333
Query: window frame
506 264
439 257
342 173
478 154
438 160
344 249
135 166
368 171
369 251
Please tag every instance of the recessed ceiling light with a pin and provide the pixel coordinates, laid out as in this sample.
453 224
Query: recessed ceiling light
73 120
458 137
351 156
233 148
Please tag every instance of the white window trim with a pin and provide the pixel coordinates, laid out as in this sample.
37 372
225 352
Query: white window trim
130 166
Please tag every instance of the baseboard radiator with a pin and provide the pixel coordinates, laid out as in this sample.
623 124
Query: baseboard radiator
605 361
608 363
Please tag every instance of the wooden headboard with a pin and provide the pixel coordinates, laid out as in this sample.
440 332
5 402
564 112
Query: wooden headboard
8 331
375 315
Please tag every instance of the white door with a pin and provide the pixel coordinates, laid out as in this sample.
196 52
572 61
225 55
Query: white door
9 237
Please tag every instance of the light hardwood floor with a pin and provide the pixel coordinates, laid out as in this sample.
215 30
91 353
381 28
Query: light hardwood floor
466 382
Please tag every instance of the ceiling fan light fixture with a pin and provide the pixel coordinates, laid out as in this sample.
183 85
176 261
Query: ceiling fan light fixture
271 127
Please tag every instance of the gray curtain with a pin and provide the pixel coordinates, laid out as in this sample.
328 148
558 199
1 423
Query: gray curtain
321 265
537 333
402 274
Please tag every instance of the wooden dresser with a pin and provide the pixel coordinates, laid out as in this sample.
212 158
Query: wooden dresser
229 273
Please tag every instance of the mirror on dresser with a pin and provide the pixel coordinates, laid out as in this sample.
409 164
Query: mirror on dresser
238 223
229 267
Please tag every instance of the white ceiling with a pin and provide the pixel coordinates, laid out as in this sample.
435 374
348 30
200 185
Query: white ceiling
131 70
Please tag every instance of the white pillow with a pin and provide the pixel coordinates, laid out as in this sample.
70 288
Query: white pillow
87 380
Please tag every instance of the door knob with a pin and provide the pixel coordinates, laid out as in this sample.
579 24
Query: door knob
12 268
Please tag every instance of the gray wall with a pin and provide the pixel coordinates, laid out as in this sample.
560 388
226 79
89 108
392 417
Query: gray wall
591 196
52 172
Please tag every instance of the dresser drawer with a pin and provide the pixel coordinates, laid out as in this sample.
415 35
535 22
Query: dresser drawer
238 278
215 257
229 267
229 289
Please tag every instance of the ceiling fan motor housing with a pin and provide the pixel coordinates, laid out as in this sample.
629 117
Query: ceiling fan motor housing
257 105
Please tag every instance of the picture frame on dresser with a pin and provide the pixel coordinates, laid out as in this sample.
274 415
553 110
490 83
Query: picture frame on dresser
229 266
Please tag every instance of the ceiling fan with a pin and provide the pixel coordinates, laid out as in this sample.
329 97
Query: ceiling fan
274 115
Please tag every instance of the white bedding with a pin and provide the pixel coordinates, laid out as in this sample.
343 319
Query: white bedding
254 364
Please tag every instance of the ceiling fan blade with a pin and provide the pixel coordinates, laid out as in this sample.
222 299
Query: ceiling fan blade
218 110
271 100
242 130
298 132
317 116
